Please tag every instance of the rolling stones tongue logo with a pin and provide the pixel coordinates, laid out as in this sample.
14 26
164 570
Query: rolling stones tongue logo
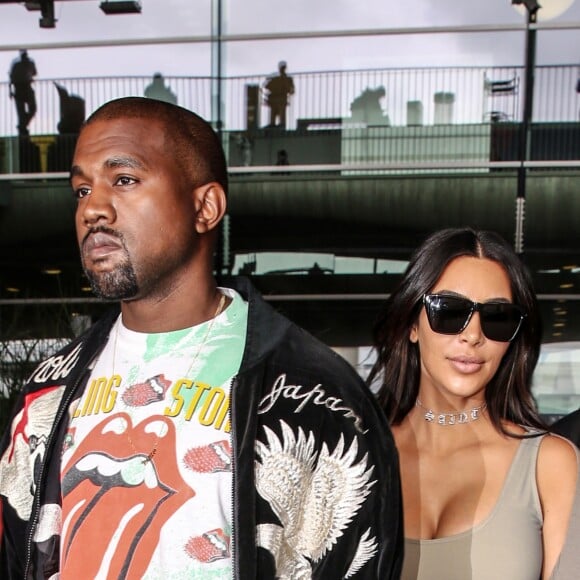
150 391
209 547
115 502
211 458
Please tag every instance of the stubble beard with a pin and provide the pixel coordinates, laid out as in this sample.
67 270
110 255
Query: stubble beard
117 284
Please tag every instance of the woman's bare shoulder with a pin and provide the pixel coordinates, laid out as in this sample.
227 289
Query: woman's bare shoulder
557 464
557 449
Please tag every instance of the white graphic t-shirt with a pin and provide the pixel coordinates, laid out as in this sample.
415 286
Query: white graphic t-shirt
146 466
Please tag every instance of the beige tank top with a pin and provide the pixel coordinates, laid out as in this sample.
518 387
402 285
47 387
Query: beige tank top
506 545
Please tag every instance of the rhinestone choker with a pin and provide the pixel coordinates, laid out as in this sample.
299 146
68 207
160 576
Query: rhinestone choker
453 417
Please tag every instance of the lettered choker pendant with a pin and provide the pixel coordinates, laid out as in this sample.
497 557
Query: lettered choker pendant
452 418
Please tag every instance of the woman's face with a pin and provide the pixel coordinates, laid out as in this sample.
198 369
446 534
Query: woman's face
457 367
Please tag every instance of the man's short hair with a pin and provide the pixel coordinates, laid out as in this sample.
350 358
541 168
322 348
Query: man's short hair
197 146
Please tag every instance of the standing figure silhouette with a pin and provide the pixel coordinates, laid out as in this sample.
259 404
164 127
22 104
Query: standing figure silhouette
279 88
22 75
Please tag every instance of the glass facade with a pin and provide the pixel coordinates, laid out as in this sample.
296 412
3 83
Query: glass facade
392 126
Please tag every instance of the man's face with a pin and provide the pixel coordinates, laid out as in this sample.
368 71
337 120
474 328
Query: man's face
135 218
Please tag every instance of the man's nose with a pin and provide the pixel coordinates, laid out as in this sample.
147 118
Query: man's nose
98 206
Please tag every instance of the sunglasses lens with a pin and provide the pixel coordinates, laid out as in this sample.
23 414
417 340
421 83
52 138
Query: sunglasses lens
500 321
447 314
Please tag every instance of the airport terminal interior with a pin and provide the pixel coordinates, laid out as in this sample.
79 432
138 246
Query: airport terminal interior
336 176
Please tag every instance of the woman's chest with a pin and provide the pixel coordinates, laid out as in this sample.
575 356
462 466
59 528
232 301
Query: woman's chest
448 495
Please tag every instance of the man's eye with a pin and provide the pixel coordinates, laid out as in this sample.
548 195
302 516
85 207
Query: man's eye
81 192
124 180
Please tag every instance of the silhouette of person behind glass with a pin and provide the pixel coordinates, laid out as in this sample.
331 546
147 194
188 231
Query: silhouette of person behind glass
22 73
72 112
157 89
279 88
366 108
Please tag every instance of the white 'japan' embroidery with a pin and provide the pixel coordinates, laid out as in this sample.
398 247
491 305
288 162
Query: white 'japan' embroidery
316 395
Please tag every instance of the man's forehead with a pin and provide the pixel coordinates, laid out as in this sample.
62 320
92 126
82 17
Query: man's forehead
121 137
123 125
104 151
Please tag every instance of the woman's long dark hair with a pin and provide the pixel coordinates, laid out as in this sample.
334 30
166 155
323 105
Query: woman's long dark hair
397 368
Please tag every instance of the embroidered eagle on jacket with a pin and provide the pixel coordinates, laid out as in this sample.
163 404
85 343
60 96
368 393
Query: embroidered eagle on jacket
315 497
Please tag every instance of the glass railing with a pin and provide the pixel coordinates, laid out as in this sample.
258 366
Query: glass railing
345 150
557 378
399 119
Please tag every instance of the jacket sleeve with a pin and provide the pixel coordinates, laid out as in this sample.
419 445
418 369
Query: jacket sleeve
568 562
372 544
12 527
569 427
327 476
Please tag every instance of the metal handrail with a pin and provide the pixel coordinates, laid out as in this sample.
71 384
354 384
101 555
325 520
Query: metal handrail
297 35
333 168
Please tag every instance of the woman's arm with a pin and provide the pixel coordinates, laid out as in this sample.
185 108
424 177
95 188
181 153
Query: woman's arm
557 474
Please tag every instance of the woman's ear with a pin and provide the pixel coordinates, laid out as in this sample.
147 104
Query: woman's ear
210 206
414 334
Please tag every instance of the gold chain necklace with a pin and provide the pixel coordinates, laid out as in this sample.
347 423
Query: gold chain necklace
218 311
451 417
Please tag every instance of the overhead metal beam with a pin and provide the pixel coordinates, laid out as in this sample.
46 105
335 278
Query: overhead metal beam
292 35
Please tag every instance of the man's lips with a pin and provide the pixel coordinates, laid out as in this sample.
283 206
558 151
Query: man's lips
99 245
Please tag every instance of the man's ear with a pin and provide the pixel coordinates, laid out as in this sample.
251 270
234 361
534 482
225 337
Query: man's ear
210 206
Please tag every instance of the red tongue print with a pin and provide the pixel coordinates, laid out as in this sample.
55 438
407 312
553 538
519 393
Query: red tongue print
117 501
211 458
150 391
210 546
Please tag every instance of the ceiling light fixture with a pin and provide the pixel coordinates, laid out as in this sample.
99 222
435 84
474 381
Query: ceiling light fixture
47 19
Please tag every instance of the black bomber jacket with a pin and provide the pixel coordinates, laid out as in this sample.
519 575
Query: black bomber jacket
293 393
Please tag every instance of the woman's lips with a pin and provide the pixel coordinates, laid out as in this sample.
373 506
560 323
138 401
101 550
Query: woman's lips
466 364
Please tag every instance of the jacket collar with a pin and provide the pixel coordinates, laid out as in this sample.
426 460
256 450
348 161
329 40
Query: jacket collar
266 326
